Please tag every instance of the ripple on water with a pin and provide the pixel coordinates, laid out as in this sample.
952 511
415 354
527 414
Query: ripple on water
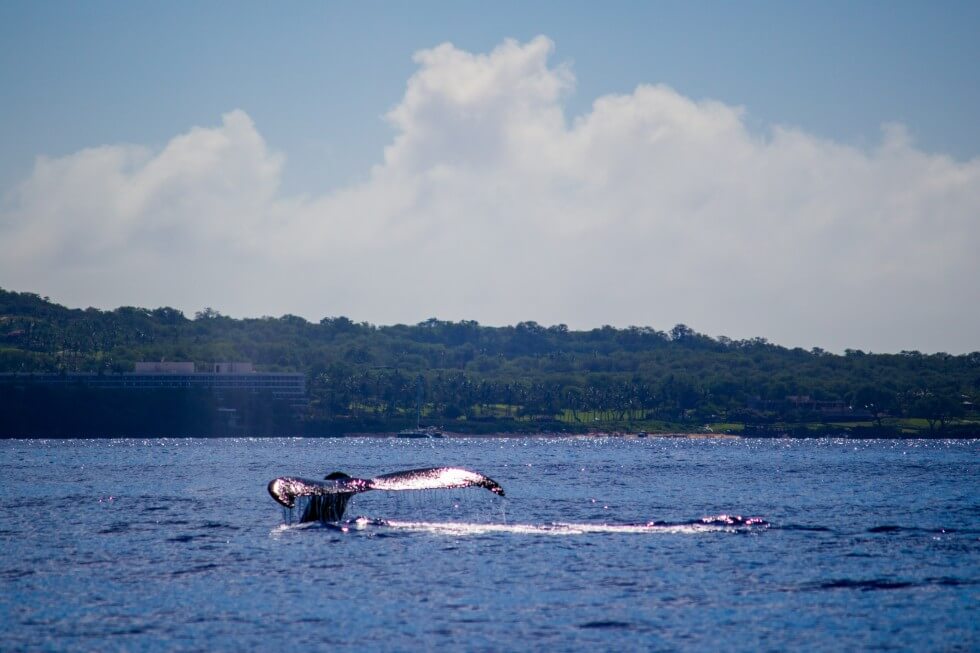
599 546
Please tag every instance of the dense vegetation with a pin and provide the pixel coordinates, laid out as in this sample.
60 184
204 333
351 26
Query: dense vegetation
525 377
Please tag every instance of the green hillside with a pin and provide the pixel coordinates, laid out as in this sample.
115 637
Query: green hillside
526 377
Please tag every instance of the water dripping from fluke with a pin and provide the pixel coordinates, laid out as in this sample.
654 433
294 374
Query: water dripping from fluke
326 501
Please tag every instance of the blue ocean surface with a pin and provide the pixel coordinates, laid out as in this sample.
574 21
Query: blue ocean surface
600 544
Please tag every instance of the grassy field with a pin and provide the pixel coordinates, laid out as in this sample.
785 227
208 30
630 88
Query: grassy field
512 418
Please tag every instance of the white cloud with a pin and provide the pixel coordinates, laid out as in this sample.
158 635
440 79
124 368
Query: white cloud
491 204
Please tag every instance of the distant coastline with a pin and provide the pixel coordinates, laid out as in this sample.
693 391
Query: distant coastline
529 434
136 372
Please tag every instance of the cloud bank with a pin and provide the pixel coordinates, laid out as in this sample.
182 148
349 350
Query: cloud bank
492 204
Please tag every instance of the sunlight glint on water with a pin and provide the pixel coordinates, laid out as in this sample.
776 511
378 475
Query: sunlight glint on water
164 544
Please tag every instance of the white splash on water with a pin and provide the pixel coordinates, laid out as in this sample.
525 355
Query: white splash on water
466 529
555 528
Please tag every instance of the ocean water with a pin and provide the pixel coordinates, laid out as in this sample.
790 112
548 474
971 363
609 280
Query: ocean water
600 544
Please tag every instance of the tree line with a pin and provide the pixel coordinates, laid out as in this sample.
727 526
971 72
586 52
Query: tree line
524 377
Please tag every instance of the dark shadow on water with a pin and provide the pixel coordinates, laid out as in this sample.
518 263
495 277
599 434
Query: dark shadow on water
213 525
879 584
864 585
940 530
180 539
195 570
604 625
945 581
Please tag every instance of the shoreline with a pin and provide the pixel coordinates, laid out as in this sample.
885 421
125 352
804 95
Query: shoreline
505 436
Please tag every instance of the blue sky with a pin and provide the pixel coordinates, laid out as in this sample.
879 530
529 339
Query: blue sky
316 81
318 76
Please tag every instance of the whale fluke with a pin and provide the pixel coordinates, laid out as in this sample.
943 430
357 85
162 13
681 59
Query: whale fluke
434 478
329 497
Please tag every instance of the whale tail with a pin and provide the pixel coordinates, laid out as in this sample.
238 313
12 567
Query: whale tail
329 497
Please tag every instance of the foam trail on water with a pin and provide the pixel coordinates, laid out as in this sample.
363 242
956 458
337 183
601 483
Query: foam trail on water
560 528
718 524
